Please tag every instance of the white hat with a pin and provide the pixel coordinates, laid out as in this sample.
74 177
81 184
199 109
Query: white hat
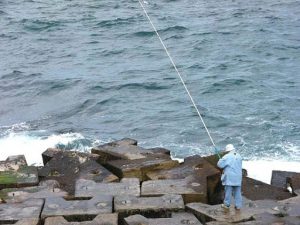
229 147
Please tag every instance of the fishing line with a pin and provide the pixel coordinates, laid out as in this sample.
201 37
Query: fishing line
179 75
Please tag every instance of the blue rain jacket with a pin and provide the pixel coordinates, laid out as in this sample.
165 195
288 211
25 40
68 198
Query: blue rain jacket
231 164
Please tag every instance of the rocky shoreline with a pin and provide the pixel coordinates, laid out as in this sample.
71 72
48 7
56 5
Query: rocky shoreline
120 183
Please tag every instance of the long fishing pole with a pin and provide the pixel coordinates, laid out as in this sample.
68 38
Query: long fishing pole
180 77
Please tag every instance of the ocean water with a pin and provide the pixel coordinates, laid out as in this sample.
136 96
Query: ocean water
74 74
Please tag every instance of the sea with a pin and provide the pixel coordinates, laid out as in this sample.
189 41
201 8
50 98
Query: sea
76 74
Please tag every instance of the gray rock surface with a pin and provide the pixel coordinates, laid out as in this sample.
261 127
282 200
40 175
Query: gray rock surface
61 207
46 189
151 206
190 189
29 209
89 188
176 219
101 219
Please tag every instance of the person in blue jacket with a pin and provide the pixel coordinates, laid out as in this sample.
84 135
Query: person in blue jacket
231 178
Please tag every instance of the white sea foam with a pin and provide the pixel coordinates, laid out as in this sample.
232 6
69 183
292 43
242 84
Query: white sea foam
33 146
262 169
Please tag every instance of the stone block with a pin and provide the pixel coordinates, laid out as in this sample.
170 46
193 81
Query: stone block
14 172
77 208
279 178
140 167
28 222
206 213
49 153
257 190
190 188
101 219
196 166
92 170
294 182
68 166
176 219
125 149
13 163
46 189
122 149
13 212
25 176
89 188
161 206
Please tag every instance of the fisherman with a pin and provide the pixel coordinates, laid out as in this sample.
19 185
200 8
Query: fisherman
231 177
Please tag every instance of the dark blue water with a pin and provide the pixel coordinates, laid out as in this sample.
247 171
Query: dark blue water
94 71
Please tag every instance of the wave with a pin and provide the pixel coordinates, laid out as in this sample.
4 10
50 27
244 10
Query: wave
40 25
147 86
161 31
227 84
118 21
32 145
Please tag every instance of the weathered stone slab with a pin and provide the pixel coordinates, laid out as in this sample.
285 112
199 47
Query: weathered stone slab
125 149
28 222
13 212
13 163
88 188
190 189
148 206
61 207
46 189
91 170
139 167
67 166
207 213
25 176
279 178
49 153
14 172
159 150
196 166
122 149
294 182
257 190
263 219
176 219
101 219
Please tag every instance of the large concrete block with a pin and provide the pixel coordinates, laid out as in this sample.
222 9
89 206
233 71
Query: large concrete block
176 219
101 219
14 173
206 213
49 153
190 189
14 162
140 167
92 170
13 212
279 178
89 188
294 183
28 222
67 166
148 206
196 166
123 149
77 208
46 189
257 190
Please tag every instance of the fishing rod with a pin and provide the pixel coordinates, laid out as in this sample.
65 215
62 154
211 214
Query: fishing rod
180 77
